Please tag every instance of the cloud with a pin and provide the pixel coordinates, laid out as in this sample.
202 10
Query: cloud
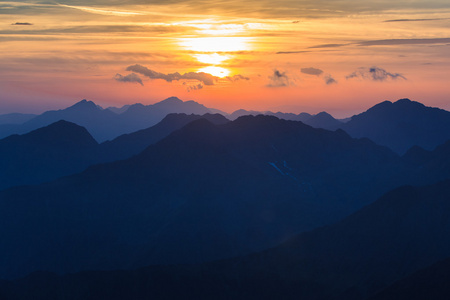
205 78
312 71
22 23
195 87
375 74
278 79
292 52
414 20
329 79
405 42
129 78
236 78
328 46
104 11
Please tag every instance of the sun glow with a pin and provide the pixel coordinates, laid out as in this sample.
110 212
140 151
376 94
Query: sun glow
216 44
215 71
212 59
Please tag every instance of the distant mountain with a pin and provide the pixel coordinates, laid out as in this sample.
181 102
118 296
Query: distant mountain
104 124
401 125
204 192
321 120
402 232
15 118
139 116
119 110
84 113
131 144
45 154
242 112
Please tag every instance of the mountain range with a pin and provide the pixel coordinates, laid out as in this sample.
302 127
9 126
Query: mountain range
105 124
64 148
209 191
399 125
197 206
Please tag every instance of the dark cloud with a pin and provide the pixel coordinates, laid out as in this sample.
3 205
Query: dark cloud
292 52
206 78
329 79
375 74
405 42
22 23
389 42
329 46
312 71
129 78
236 78
415 20
278 79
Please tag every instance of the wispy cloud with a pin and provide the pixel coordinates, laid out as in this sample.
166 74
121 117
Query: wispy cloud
329 80
129 78
195 87
375 74
415 20
278 79
237 77
404 42
104 11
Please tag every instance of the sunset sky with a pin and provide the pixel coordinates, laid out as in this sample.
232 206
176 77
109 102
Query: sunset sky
289 55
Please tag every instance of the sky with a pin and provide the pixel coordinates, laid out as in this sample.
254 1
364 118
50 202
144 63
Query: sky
289 55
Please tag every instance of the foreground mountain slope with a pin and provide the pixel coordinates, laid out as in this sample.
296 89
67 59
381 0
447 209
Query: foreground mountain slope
402 232
401 125
45 154
204 192
428 283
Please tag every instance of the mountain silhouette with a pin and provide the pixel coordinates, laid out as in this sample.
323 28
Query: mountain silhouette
204 192
104 124
45 154
321 120
401 125
131 144
404 231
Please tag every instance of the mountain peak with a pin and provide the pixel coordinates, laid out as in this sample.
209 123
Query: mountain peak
172 100
63 131
85 105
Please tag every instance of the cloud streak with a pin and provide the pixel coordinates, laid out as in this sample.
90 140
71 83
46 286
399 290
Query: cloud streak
22 23
375 74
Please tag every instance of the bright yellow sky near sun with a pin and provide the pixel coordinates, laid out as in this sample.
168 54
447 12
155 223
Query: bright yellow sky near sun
289 59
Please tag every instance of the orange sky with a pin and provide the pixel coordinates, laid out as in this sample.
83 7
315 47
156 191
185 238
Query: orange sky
264 55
